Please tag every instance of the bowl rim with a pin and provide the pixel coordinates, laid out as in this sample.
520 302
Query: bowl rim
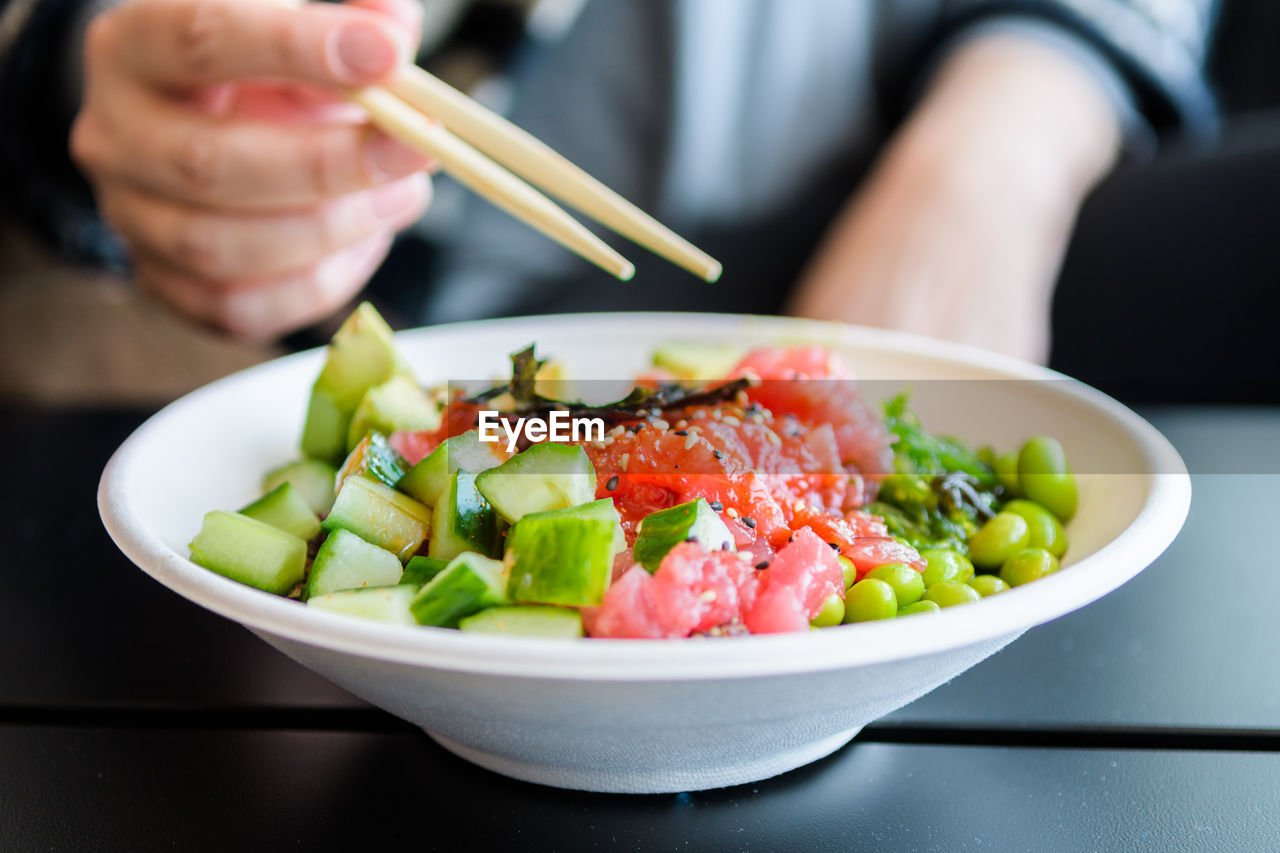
1154 528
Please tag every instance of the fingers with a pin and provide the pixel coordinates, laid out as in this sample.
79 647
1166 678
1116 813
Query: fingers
230 251
191 43
408 13
186 154
271 307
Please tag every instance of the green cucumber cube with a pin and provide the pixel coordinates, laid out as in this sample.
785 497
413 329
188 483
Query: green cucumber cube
313 478
360 356
526 620
345 561
285 508
399 403
560 559
465 452
469 584
250 551
420 570
389 604
689 360
544 477
663 530
380 515
374 457
463 521
324 433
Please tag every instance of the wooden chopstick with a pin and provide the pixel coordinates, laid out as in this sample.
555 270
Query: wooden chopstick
472 169
537 163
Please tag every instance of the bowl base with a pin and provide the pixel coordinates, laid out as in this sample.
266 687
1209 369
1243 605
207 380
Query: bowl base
631 780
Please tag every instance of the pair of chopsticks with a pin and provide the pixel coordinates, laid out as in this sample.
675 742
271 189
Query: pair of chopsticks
430 116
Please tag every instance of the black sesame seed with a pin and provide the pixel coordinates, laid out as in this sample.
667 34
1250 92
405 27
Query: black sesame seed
724 546
612 484
716 505
682 432
835 546
717 454
748 521
691 539
763 564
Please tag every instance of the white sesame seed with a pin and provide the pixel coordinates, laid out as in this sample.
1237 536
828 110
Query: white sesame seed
708 595
772 438
681 424
659 423
690 441
731 512
745 556
730 420
623 460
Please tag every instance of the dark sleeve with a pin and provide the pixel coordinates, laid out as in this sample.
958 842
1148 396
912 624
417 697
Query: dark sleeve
39 186
1159 48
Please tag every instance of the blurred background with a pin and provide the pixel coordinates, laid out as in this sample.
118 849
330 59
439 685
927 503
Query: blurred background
1168 292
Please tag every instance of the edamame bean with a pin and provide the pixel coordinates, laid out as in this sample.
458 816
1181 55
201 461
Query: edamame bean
919 607
986 585
1046 530
870 599
849 569
1045 478
998 540
832 612
1006 468
951 593
908 585
1028 565
943 564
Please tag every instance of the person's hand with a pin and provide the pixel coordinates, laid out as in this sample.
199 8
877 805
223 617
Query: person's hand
250 197
960 229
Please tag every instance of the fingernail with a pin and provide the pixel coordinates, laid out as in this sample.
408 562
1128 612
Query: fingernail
394 200
387 158
365 51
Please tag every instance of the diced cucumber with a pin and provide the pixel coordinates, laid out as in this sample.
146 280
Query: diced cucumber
689 360
420 570
285 508
345 561
599 510
544 477
464 452
399 403
374 457
360 356
324 433
469 584
560 558
381 515
463 521
250 551
526 620
663 530
312 478
388 604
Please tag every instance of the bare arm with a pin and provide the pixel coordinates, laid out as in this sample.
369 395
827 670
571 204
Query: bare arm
961 227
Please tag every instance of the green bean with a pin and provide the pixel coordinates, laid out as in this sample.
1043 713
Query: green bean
1046 530
1045 477
1028 565
998 540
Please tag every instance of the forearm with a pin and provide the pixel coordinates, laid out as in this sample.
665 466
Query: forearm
1010 114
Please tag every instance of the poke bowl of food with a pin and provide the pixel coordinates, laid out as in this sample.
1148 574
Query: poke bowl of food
642 552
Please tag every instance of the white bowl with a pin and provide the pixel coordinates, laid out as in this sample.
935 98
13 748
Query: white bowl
642 715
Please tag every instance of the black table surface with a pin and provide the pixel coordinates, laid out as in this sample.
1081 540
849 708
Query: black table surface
131 719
